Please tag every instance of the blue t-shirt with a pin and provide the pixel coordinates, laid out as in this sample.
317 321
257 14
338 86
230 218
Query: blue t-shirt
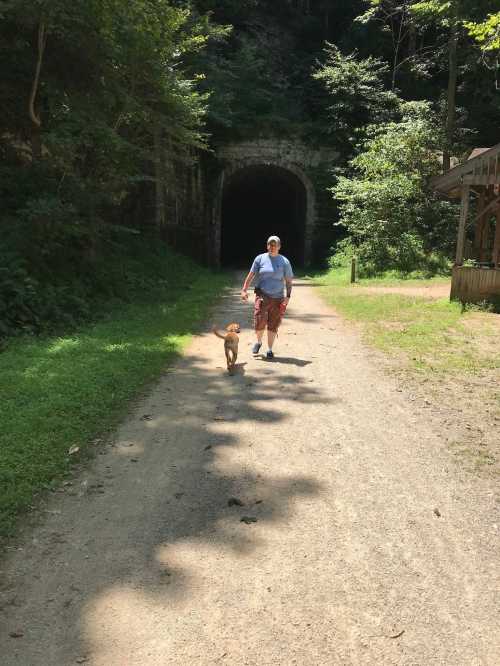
271 273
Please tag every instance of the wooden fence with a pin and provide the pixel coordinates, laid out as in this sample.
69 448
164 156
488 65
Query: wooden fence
471 285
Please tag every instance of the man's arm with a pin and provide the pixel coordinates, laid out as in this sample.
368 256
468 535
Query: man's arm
288 286
288 280
246 284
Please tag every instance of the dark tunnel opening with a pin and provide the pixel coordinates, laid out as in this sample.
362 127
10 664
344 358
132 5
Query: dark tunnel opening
258 202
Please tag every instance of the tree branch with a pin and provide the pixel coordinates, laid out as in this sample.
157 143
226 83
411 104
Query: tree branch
42 41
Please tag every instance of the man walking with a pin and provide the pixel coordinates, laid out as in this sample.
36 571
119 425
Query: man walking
274 274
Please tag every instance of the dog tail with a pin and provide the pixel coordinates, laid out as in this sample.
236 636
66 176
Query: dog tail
219 335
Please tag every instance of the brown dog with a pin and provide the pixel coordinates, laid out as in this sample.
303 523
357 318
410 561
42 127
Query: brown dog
231 341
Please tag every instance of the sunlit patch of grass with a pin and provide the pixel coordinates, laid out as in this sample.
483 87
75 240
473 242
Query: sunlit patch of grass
62 344
65 391
394 279
342 277
433 334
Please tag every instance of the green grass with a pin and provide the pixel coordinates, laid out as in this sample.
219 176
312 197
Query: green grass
434 335
341 277
393 279
61 392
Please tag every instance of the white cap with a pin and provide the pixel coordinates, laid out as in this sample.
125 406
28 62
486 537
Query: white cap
273 238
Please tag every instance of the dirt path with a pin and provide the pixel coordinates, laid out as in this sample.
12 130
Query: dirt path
370 546
429 291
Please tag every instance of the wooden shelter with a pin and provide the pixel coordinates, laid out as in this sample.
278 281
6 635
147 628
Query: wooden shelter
478 177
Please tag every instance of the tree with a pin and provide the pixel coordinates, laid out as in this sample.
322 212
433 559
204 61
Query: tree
450 17
89 84
487 32
392 217
487 35
356 95
395 17
446 13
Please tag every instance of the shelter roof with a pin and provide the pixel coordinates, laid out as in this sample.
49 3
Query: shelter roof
481 168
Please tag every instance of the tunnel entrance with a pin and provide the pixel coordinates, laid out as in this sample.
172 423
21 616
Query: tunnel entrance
257 202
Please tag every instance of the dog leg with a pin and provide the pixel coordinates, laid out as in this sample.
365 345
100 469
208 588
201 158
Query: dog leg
232 360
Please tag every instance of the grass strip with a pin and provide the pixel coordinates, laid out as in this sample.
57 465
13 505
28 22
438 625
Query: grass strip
56 393
434 334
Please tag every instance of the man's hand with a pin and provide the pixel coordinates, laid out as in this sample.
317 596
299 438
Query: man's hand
286 300
246 284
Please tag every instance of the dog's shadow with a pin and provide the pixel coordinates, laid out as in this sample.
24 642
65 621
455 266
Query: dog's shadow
238 369
286 361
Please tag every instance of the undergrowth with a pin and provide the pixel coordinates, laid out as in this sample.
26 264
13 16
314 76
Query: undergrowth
59 392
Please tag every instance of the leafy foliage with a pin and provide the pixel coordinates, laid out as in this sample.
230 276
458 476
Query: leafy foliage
60 393
357 95
70 160
91 89
393 219
486 33
31 305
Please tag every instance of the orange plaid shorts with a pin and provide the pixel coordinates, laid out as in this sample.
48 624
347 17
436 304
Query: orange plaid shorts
268 312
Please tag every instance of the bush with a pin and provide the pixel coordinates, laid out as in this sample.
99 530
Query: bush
342 254
19 298
37 303
393 219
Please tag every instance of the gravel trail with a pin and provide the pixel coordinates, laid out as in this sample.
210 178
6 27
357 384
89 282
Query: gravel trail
302 511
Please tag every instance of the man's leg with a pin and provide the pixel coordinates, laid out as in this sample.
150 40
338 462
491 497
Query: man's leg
259 334
260 321
273 324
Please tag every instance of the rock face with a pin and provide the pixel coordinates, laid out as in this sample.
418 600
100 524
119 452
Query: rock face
282 182
278 160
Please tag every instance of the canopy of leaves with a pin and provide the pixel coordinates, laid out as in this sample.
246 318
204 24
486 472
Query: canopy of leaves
110 71
357 96
92 91
486 33
386 206
260 77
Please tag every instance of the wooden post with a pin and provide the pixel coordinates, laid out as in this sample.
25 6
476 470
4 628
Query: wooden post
464 209
479 225
496 245
353 270
486 225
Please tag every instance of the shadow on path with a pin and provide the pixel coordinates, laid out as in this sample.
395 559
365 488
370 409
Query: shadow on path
130 535
284 360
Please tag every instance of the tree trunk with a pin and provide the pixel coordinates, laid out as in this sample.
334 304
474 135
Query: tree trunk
394 67
412 41
36 140
159 177
451 96
327 20
36 143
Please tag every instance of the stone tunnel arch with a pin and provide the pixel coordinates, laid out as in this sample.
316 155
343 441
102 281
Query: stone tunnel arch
256 199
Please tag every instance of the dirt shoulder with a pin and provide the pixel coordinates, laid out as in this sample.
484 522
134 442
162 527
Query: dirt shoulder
429 291
306 511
